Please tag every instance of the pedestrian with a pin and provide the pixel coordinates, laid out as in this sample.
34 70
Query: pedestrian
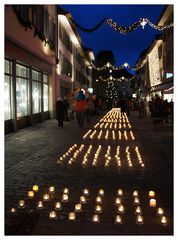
80 108
89 109
60 111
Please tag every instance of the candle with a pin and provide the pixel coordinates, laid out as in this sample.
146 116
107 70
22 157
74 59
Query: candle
57 206
72 216
13 210
95 218
31 194
138 210
98 199
51 189
118 219
121 209
117 201
163 220
40 205
101 192
82 199
66 191
21 204
65 198
98 209
78 207
35 188
135 193
160 211
46 197
52 215
151 194
86 192
136 201
139 219
152 202
120 192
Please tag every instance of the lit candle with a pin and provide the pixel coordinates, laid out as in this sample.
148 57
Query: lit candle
135 193
57 206
117 201
95 218
136 201
65 198
72 216
82 199
138 210
98 209
163 220
152 202
98 199
13 210
52 189
66 191
35 188
31 194
52 215
118 219
86 192
160 211
151 194
120 192
121 209
21 204
46 197
139 219
101 192
40 205
78 207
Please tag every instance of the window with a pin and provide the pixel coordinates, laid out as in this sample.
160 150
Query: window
36 91
45 93
7 90
22 90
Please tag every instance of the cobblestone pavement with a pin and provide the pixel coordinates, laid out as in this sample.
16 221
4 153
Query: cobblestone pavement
31 157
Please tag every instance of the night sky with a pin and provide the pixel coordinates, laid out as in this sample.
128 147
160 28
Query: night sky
126 48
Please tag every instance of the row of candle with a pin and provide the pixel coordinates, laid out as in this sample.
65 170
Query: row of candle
107 156
93 134
98 201
112 125
70 150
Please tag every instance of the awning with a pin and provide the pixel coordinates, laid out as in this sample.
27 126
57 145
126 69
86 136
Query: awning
169 91
163 87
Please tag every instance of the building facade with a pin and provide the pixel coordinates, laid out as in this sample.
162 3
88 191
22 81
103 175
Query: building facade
42 62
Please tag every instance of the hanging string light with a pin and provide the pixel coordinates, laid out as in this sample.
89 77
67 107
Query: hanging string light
124 65
111 78
124 30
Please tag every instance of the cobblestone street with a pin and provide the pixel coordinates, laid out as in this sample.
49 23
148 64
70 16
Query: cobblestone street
113 154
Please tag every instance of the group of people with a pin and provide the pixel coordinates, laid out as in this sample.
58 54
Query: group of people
81 107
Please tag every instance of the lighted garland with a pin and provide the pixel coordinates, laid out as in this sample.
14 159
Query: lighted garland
111 78
125 65
124 30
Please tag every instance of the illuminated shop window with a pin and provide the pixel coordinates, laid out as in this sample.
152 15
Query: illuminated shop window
45 93
7 90
36 91
22 94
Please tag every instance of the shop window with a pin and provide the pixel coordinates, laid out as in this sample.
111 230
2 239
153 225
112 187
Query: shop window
36 97
45 93
22 93
7 90
22 71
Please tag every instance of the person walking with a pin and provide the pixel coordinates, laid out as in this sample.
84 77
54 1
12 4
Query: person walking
80 108
89 108
60 111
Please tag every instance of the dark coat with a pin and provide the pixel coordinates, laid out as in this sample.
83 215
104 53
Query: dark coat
59 109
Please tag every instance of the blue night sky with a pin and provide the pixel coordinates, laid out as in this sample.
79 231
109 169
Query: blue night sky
126 48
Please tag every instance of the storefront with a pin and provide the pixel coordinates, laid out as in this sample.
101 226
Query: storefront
165 90
26 95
